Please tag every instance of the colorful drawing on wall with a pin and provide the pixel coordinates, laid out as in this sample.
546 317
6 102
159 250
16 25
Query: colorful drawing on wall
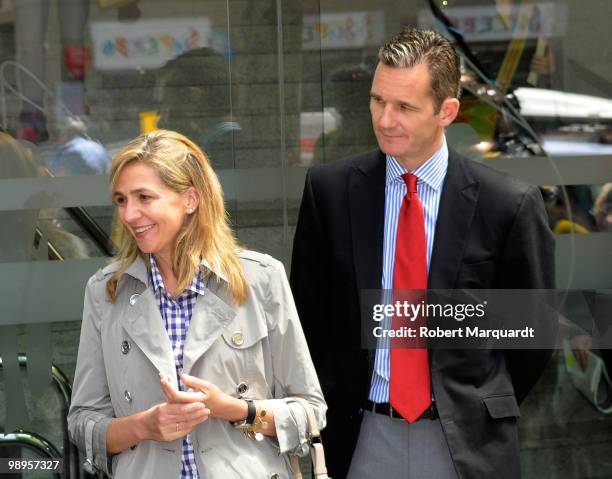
146 43
342 30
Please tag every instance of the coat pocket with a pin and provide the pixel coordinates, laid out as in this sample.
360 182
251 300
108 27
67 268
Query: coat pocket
500 407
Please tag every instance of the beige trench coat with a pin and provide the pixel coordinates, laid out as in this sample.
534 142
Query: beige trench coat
124 346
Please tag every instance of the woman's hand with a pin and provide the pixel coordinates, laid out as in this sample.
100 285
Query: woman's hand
169 421
221 405
178 416
224 406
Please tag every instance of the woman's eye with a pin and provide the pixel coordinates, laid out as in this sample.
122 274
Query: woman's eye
144 197
119 201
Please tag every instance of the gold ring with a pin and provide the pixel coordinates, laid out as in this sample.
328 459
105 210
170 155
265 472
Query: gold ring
177 426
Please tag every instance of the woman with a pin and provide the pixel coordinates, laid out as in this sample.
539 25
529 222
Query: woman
190 347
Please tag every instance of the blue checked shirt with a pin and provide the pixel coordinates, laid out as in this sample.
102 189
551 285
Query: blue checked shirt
176 314
430 176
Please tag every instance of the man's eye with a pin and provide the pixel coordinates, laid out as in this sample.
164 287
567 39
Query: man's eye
119 201
144 197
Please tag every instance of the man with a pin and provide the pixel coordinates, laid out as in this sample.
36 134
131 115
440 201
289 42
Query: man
474 228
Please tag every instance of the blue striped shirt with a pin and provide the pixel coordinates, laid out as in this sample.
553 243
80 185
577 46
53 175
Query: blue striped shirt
176 313
430 176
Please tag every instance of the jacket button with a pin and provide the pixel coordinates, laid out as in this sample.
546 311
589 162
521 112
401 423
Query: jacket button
237 338
274 476
133 299
128 396
125 347
242 388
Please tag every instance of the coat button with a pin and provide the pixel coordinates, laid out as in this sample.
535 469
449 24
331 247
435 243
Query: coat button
274 476
133 299
128 396
242 388
125 347
237 338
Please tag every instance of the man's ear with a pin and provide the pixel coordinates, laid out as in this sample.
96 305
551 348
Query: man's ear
448 111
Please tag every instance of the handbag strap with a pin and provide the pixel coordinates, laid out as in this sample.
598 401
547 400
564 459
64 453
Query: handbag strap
317 454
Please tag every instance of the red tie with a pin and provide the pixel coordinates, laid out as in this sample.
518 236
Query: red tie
410 389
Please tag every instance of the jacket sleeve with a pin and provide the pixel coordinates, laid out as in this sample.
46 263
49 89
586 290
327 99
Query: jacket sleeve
90 409
529 263
294 373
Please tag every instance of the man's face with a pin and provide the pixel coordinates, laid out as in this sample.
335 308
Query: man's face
403 114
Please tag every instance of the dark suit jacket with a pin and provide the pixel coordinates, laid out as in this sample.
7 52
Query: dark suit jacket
492 232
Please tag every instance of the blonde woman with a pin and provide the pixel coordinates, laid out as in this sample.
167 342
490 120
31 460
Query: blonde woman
190 347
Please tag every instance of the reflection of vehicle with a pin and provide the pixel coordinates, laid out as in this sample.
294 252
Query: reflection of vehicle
569 123
490 109
497 66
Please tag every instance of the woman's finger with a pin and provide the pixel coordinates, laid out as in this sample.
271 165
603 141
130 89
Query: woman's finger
194 382
173 395
180 410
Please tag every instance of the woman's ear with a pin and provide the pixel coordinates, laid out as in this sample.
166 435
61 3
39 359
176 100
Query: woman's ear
192 199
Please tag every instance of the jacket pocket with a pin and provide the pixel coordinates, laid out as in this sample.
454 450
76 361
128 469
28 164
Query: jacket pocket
502 406
480 275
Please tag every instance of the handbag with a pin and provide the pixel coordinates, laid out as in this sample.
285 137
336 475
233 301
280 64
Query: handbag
594 382
317 454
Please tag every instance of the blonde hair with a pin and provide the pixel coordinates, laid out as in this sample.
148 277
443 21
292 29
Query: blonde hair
206 234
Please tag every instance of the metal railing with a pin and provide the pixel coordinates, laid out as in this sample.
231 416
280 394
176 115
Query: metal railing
40 444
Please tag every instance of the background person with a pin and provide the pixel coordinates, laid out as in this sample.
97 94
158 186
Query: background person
182 307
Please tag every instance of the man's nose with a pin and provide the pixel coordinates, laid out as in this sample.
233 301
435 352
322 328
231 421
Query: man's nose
386 119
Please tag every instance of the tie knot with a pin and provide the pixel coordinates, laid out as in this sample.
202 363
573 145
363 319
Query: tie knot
411 182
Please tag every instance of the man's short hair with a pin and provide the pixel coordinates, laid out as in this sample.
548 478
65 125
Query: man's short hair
413 46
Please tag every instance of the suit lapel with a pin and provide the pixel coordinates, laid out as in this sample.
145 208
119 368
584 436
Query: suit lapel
366 196
457 207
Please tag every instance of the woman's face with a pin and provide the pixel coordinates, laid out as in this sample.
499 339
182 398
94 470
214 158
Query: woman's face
152 212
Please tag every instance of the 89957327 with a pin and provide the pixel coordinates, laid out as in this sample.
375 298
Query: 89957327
17 464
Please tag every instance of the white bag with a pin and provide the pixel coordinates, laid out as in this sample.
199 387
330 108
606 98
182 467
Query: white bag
317 454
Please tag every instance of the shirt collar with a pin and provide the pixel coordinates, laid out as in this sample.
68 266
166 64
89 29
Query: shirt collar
432 172
196 286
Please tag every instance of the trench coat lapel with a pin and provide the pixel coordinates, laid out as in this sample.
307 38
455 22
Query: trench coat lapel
214 310
456 211
144 324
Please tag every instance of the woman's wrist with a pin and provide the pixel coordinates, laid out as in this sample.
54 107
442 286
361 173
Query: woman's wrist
233 409
141 425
